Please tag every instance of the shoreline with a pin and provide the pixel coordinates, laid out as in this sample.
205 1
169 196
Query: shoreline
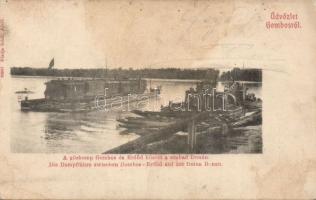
147 79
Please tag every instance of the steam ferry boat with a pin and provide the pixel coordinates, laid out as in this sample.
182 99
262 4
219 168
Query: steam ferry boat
70 95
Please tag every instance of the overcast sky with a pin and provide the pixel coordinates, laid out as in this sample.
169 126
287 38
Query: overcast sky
137 34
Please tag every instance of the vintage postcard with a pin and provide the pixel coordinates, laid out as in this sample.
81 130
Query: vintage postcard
153 99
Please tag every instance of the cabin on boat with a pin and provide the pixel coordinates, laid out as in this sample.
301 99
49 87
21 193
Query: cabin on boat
88 89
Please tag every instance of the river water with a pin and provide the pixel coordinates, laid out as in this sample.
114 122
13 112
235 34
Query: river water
93 132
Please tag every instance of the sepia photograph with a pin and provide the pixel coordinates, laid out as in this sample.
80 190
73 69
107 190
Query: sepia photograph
143 110
157 99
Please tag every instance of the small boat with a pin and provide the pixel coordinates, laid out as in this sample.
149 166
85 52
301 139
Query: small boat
162 114
25 91
140 122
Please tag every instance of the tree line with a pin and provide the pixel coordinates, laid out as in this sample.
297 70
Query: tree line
238 74
119 73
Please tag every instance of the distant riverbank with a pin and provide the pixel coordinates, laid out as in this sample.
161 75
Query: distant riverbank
76 78
148 79
120 73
